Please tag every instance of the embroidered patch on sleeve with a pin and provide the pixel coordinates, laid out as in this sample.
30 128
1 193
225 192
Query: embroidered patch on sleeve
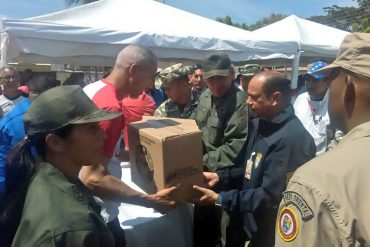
290 197
288 224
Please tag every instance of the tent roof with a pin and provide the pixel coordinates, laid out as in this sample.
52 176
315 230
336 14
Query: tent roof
314 39
94 33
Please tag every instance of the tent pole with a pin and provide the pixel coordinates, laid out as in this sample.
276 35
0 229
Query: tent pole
295 69
3 48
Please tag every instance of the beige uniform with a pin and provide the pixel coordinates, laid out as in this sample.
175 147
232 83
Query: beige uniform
328 199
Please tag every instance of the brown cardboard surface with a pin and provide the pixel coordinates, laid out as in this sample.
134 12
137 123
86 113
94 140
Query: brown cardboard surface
166 152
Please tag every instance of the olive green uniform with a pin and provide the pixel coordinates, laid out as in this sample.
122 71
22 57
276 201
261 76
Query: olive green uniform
224 123
58 212
327 200
172 109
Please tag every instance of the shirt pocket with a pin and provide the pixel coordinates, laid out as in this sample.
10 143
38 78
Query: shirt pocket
215 129
201 116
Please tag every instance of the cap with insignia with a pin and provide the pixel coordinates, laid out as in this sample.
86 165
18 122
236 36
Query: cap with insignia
249 69
313 68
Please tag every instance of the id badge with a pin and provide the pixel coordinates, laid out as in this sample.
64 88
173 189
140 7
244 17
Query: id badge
249 166
248 170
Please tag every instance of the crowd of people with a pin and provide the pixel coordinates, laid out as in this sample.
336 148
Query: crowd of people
277 171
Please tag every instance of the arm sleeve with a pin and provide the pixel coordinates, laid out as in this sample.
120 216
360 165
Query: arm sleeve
321 229
230 178
112 129
81 238
4 149
235 135
161 111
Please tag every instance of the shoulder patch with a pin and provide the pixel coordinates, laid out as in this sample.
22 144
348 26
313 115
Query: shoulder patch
287 224
290 197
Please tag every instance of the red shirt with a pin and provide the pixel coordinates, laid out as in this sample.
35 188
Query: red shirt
106 96
134 109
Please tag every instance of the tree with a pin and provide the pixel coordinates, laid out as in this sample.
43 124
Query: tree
266 21
356 19
261 23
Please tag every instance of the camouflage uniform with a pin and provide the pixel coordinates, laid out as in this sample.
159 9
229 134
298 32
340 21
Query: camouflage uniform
174 110
169 108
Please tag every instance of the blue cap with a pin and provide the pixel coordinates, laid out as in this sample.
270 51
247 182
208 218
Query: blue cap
313 68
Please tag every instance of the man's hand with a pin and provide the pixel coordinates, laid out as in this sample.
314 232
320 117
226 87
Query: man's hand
162 201
208 197
211 179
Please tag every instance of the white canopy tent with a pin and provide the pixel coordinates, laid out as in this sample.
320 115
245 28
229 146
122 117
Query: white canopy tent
93 34
315 41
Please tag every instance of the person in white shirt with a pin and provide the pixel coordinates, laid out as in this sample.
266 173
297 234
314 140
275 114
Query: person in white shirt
311 107
9 79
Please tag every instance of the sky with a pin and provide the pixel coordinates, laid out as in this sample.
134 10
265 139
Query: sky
247 11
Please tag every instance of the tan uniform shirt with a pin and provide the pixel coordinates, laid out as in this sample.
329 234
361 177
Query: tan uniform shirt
327 199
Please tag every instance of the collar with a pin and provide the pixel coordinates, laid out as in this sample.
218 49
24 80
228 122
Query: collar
360 131
54 176
284 115
320 103
118 93
224 97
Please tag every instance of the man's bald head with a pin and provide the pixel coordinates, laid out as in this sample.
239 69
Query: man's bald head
135 54
273 81
134 71
268 94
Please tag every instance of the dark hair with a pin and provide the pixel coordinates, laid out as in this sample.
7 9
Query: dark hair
26 76
39 84
277 83
75 79
20 167
197 66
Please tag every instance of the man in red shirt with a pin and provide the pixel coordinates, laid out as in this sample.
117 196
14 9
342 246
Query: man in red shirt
134 110
134 71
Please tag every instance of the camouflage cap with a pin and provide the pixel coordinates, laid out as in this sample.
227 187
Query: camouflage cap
249 69
190 69
173 73
353 55
61 106
158 80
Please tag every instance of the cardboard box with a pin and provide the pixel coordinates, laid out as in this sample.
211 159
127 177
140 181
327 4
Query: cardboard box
165 152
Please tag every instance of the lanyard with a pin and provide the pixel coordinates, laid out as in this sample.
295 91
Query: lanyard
313 114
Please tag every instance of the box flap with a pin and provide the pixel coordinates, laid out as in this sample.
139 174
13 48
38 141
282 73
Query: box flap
163 128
